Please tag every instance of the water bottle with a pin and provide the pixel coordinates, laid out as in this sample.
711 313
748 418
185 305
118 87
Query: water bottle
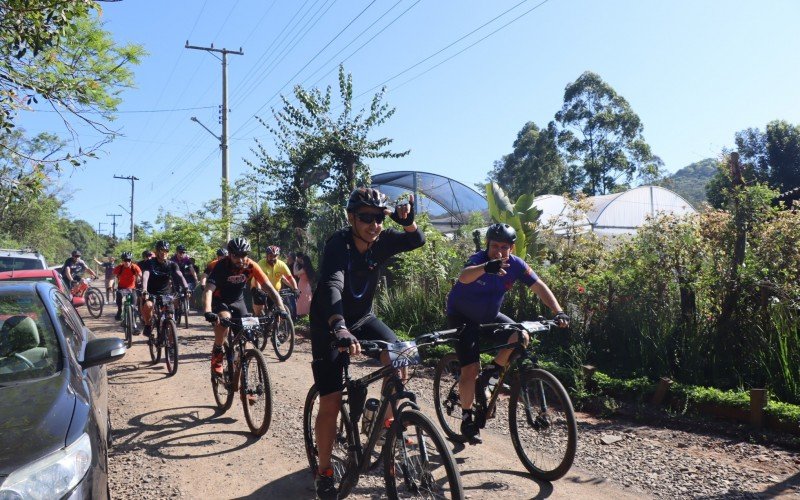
370 408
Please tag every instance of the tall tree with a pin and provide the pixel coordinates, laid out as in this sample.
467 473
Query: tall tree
535 166
601 137
315 146
57 52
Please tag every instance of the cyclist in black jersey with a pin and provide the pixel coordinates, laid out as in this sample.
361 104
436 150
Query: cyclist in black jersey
341 307
73 269
157 276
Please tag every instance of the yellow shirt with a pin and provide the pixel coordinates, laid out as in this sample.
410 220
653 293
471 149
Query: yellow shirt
274 273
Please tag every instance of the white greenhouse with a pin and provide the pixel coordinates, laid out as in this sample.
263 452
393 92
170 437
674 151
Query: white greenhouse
618 213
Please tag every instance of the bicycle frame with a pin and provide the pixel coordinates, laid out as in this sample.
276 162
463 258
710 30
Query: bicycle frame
238 336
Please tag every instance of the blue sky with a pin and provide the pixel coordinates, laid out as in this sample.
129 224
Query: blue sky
695 72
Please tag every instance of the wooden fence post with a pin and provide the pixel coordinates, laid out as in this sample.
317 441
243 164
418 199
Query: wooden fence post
758 401
661 391
588 376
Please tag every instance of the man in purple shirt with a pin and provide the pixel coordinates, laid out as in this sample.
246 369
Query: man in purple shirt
476 299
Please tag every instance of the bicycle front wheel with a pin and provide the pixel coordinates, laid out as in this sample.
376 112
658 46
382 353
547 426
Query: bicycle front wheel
94 302
417 461
283 338
542 425
185 306
343 457
221 384
446 397
171 346
127 320
256 392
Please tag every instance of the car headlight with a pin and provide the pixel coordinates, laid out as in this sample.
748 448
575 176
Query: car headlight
52 476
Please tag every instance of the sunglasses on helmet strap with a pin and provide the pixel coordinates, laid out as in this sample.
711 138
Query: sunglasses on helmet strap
369 218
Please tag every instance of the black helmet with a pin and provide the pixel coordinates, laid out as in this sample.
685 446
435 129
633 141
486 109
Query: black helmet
222 252
126 256
162 245
501 232
76 253
239 246
147 254
366 197
181 248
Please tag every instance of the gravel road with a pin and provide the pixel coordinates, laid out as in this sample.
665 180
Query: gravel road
171 442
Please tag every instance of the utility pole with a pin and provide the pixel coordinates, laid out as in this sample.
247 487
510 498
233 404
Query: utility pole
223 139
114 224
97 238
132 179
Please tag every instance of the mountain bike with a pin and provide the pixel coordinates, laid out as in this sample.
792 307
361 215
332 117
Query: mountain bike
541 419
182 309
165 333
244 370
129 314
279 328
417 461
93 296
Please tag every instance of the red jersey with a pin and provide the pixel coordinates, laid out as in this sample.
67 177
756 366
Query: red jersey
127 275
230 281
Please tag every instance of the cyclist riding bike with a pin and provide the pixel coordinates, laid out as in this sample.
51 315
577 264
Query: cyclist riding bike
184 263
221 253
73 269
476 298
157 277
224 293
277 272
127 274
341 307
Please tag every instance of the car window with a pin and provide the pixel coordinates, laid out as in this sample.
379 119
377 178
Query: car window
70 323
8 263
28 344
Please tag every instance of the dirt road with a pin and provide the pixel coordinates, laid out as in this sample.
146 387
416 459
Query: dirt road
170 441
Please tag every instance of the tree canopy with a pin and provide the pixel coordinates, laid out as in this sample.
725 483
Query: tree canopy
601 137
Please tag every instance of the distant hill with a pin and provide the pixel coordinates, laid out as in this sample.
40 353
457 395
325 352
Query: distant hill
690 181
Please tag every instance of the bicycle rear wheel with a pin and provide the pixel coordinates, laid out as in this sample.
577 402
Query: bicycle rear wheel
446 398
283 338
343 458
221 385
171 346
542 425
256 392
266 331
94 302
417 462
152 345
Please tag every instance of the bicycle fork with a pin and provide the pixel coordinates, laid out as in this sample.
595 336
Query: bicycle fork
538 421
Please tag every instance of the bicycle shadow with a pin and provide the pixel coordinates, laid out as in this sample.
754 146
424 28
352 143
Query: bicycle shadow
497 486
141 373
298 484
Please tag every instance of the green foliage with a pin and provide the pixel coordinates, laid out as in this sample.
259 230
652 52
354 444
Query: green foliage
601 137
690 181
784 412
523 216
535 167
696 395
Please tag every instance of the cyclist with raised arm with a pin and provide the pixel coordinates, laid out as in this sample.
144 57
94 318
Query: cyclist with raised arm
277 272
341 307
476 298
157 278
127 274
224 293
73 269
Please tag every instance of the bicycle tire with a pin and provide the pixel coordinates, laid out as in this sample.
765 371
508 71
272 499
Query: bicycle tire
446 396
221 386
282 336
152 344
343 458
170 346
415 476
127 320
556 426
94 302
185 306
267 329
258 387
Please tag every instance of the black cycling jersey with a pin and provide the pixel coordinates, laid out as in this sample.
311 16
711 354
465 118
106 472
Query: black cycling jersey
348 278
76 267
160 275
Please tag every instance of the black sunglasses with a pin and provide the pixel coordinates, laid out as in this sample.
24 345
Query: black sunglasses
239 255
126 260
369 218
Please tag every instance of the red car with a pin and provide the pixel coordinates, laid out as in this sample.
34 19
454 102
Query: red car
48 275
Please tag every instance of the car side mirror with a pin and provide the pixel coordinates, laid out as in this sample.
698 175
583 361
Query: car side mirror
102 351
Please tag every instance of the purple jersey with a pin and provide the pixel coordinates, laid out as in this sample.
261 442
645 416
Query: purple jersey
480 300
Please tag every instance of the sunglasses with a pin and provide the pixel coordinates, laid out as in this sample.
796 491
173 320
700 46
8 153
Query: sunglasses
369 218
239 255
126 260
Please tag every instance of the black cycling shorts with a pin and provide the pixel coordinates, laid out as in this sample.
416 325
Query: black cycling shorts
468 346
238 309
327 364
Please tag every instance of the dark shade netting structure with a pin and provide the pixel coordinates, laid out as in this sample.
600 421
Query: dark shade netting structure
448 202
